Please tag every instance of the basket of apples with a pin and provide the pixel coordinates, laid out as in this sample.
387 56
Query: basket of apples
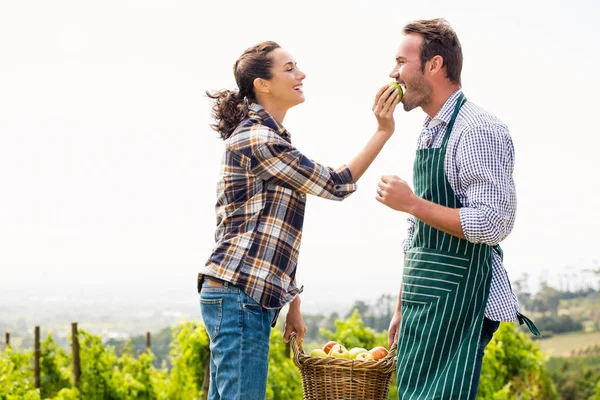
334 372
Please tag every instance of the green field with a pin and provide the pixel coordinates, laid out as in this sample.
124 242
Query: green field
563 345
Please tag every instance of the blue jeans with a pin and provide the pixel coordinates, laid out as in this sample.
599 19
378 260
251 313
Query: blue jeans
239 330
487 332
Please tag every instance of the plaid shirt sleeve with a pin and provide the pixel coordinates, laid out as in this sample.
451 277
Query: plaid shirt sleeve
278 162
485 157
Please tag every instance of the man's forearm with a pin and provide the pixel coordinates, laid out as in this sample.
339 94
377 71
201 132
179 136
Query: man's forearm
442 218
399 302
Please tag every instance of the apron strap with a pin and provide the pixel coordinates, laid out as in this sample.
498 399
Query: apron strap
524 320
459 103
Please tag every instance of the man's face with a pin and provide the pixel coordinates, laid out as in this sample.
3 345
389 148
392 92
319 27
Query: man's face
407 72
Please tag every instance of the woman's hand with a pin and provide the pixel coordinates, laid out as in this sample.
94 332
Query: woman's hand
386 101
294 322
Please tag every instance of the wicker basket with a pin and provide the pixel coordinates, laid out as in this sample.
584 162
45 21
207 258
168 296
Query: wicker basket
336 379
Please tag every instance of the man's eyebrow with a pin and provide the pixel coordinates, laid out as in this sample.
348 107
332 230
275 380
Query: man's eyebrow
400 58
291 63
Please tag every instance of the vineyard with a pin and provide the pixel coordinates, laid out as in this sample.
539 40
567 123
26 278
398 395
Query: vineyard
514 367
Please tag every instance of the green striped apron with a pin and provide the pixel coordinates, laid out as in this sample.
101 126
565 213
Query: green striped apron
445 288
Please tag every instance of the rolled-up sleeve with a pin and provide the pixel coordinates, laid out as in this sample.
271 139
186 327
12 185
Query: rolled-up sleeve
278 162
485 159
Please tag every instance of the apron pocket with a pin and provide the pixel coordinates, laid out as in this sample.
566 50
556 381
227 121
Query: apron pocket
430 274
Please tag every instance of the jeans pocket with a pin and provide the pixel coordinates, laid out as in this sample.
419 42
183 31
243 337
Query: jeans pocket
253 308
255 316
212 314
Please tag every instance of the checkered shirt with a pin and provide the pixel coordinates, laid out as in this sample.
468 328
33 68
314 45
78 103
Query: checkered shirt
479 164
261 199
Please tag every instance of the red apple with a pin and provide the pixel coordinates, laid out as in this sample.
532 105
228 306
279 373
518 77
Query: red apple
378 352
328 346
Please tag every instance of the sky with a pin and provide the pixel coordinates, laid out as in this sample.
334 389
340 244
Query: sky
108 165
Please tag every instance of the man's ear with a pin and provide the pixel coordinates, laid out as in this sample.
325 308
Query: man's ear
261 85
435 65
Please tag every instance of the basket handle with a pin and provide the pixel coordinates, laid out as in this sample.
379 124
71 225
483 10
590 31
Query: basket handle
392 352
297 349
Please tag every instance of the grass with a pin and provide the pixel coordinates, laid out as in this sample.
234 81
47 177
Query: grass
556 364
563 345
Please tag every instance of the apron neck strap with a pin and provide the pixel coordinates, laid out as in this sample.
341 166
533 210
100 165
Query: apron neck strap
459 103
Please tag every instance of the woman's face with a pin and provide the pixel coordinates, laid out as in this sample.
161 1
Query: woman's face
285 87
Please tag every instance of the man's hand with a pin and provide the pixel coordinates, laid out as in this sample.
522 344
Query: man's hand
394 328
396 194
294 322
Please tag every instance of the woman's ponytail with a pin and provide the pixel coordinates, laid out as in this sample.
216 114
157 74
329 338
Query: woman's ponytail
229 109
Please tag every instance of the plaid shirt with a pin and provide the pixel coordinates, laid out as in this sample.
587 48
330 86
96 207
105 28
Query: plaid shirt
261 198
479 164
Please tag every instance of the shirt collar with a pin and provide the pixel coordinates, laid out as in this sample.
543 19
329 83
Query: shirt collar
445 113
255 111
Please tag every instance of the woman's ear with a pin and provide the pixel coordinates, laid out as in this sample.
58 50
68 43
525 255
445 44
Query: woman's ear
261 85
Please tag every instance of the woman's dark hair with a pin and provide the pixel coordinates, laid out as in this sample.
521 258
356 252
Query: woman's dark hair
231 106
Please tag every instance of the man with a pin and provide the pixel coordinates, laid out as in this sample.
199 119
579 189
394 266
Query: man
455 290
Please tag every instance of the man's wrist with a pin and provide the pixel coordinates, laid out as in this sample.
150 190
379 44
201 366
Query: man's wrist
416 206
399 302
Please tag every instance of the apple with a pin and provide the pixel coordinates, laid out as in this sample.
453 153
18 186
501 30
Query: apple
356 351
318 353
364 356
400 91
328 346
339 351
378 352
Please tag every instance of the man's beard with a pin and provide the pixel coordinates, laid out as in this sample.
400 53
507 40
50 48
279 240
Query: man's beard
419 95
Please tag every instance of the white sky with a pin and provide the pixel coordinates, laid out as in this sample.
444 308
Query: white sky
108 166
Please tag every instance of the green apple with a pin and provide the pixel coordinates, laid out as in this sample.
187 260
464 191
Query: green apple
339 351
397 86
364 356
318 353
356 351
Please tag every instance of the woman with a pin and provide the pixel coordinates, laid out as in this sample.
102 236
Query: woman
250 274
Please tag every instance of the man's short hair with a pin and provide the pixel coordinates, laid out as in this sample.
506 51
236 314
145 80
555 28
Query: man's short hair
439 39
